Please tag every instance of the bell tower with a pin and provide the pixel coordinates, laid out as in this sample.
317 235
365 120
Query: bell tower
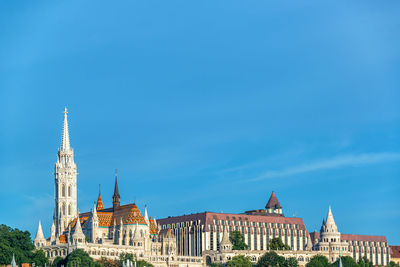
65 183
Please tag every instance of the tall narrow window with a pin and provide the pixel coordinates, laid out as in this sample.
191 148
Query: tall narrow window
69 209
69 191
63 190
63 209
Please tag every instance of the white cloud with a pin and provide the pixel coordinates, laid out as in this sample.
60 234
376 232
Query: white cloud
332 163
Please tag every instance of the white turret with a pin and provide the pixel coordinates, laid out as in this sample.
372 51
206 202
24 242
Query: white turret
13 263
78 236
53 233
146 216
94 224
39 241
225 244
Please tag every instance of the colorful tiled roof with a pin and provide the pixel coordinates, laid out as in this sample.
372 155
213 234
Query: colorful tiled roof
105 219
99 205
153 227
134 216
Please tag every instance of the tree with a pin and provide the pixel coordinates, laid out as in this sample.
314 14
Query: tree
346 261
78 257
393 264
57 261
239 261
126 256
216 265
364 262
237 240
277 244
19 243
143 263
107 262
318 261
39 258
291 262
271 259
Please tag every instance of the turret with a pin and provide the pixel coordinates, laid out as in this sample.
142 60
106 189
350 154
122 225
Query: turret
225 244
78 236
39 241
94 224
99 205
53 233
273 206
146 216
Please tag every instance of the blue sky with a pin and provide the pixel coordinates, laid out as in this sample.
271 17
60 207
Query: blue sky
205 106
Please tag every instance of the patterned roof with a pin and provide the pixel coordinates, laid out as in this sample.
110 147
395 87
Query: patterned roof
134 216
99 205
153 227
105 219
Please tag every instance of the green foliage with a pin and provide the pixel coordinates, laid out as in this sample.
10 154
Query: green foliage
393 264
291 262
39 258
239 261
216 265
78 257
18 242
126 256
271 259
142 263
318 261
364 262
237 240
57 261
277 244
346 261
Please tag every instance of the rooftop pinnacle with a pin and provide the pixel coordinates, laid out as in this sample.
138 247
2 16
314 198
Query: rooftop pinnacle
65 136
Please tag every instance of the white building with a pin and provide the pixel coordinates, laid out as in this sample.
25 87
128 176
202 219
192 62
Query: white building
103 232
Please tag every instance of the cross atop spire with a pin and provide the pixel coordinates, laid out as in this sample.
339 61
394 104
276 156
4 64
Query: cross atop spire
65 136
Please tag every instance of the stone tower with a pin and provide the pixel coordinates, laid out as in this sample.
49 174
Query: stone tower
65 183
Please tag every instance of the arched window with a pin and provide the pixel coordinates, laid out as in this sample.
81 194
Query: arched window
69 209
63 209
69 191
63 190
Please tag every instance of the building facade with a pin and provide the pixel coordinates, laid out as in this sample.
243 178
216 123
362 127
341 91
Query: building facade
203 233
103 232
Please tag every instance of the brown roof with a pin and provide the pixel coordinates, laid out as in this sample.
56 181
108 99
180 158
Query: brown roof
206 218
273 202
350 237
153 227
395 252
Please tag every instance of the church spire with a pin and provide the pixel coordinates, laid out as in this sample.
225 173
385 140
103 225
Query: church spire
65 136
99 205
116 197
39 239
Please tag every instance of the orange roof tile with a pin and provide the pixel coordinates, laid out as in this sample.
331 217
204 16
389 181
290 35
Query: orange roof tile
153 227
134 216
105 219
99 205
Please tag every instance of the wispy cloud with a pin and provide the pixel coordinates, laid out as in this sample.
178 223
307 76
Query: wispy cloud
331 163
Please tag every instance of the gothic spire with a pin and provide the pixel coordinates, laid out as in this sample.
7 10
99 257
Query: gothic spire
65 136
116 197
13 263
330 221
146 216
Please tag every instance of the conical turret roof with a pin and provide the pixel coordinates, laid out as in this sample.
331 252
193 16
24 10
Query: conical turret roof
99 205
273 202
39 233
330 221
